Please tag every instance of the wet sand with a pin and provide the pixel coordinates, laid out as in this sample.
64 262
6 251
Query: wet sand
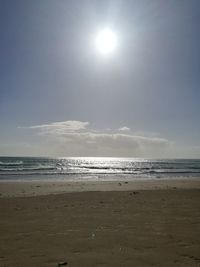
36 188
116 228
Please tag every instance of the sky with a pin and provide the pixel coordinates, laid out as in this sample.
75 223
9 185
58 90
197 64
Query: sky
60 97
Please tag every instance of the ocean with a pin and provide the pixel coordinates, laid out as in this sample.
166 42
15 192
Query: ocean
97 169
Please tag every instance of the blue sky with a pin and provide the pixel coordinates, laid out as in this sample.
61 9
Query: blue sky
59 97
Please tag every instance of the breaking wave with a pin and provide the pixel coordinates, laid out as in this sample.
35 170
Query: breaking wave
98 166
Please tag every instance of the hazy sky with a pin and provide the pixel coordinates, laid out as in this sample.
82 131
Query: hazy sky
60 97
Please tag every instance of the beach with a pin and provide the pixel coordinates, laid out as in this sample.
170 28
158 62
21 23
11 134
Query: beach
146 223
99 133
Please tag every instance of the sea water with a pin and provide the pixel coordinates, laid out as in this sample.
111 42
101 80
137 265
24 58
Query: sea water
93 168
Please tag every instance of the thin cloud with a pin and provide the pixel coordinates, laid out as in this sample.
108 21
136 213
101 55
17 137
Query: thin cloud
75 137
124 129
61 127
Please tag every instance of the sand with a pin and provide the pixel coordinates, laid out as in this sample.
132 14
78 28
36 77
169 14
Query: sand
134 226
36 188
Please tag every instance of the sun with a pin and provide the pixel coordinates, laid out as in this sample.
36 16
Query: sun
106 41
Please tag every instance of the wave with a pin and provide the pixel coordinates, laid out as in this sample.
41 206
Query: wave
68 166
18 162
53 170
29 168
175 171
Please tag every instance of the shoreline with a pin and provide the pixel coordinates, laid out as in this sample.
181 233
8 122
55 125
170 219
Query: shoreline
39 188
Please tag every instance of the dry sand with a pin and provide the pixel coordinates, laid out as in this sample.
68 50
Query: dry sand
116 228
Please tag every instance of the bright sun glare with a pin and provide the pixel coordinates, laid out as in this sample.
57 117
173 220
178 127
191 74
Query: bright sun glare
106 41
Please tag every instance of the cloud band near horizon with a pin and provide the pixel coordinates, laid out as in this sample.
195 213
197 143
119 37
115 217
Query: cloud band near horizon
74 138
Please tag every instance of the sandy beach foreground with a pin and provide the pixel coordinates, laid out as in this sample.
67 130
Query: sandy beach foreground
128 227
